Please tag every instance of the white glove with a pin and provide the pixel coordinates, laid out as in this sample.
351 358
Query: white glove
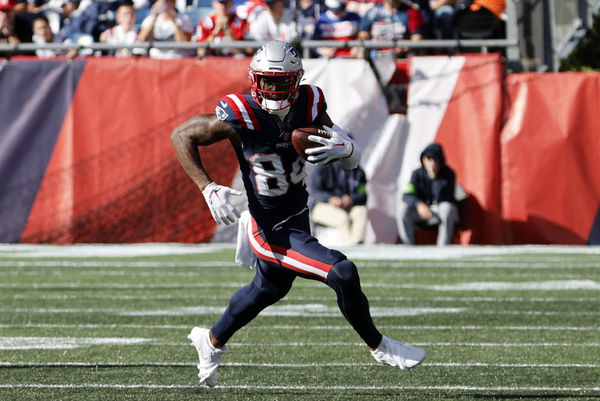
338 146
217 199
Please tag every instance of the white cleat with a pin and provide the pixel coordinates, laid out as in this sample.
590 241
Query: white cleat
394 353
210 356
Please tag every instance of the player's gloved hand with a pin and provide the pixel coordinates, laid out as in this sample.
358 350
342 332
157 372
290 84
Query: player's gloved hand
335 147
217 199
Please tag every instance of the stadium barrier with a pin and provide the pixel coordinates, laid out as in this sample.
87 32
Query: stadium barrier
85 154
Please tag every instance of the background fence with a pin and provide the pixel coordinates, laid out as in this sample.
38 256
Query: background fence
85 153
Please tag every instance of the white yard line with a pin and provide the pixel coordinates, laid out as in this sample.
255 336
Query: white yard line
200 297
24 343
470 264
308 388
553 285
296 310
357 252
296 327
294 365
129 264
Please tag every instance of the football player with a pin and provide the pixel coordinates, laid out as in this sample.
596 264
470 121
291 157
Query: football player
258 126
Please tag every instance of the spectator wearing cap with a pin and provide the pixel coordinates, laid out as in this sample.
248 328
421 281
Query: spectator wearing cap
222 25
165 24
336 24
392 20
429 200
276 22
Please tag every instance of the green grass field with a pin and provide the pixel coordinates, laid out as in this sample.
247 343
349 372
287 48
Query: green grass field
110 323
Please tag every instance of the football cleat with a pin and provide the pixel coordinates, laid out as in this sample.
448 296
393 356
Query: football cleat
394 353
210 356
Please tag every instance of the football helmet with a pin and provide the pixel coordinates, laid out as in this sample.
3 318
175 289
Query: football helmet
275 72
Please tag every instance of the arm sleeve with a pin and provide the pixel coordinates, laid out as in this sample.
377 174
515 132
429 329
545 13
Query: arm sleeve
359 194
410 195
447 191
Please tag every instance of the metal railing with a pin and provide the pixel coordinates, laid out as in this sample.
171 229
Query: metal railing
458 44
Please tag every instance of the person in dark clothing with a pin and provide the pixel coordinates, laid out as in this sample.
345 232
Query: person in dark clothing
428 200
339 200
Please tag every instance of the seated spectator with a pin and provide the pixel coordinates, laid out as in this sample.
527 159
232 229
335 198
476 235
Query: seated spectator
428 201
307 12
336 24
392 20
479 19
42 33
13 28
91 18
361 7
441 18
276 22
55 10
221 26
7 22
339 200
124 33
165 24
248 10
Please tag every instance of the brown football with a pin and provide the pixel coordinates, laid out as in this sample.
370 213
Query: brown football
300 139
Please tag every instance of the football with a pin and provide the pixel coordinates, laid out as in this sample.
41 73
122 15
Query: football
301 142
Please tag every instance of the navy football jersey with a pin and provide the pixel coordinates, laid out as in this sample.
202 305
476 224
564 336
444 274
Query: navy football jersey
273 173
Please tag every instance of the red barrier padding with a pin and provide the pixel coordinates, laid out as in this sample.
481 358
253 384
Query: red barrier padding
113 176
550 150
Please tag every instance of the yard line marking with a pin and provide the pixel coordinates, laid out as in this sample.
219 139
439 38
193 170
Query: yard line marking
426 327
309 310
133 274
200 297
421 344
291 365
554 285
366 252
95 326
517 265
119 286
296 388
13 343
130 264
294 310
505 286
297 327
24 343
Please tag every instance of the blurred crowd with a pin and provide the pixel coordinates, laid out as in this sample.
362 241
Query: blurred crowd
127 22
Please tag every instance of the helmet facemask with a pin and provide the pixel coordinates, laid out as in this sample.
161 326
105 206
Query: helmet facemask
275 91
275 73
